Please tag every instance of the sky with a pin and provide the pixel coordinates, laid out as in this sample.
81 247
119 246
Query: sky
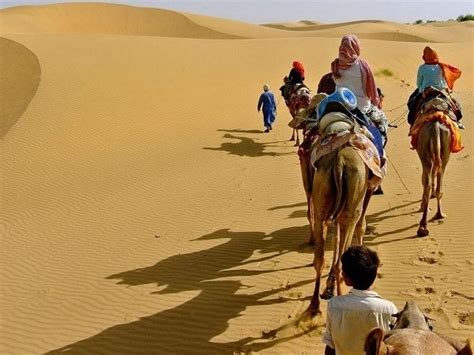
326 11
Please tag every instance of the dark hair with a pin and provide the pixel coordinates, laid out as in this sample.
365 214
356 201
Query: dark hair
360 265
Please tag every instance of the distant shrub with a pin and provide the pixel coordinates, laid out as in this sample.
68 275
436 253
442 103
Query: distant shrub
468 17
431 21
384 72
417 22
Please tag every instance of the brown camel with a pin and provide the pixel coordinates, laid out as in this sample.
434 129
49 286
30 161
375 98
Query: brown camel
297 99
340 193
433 148
412 335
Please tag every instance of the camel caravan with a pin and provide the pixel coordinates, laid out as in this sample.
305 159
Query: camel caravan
343 163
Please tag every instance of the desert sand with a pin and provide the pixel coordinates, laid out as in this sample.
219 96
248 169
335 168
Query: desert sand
143 209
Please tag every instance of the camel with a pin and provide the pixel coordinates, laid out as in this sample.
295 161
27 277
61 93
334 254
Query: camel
433 148
340 193
412 335
298 98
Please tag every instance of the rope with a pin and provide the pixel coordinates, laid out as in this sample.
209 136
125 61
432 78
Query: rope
398 174
395 108
400 119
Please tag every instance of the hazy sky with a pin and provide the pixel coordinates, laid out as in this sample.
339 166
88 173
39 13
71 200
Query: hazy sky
263 11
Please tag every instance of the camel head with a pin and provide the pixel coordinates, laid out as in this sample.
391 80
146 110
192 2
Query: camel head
412 335
412 317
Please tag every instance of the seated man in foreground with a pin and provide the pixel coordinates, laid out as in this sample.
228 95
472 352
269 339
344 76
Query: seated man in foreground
351 317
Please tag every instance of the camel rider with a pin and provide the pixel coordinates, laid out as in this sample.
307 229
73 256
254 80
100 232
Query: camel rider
295 77
352 72
434 74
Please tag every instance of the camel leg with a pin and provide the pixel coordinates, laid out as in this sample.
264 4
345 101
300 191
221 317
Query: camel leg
307 175
310 220
425 179
293 135
362 224
439 194
297 139
444 153
329 290
320 229
322 193
433 181
347 225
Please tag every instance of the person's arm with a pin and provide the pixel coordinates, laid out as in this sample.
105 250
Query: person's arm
260 102
419 77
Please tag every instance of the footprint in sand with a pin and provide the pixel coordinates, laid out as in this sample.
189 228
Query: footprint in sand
426 290
430 255
465 318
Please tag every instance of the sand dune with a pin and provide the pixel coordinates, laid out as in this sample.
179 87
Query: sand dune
387 30
129 20
312 26
144 211
20 74
103 19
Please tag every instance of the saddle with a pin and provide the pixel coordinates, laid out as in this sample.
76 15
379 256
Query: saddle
304 118
335 122
437 100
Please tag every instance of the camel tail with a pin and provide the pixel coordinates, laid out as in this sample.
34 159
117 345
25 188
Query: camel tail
338 179
435 144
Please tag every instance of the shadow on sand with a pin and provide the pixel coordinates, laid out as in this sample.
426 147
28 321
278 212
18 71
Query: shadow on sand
256 131
219 301
247 147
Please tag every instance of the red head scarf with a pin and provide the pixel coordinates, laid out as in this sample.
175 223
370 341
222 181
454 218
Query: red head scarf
430 56
349 52
299 67
450 73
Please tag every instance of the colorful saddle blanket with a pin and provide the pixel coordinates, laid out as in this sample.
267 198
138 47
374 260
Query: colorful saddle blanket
300 98
442 117
357 140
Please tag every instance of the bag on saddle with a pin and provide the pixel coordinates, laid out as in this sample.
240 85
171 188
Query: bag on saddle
342 97
335 122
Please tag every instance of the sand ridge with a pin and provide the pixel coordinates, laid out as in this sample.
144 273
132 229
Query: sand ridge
20 75
144 211
130 20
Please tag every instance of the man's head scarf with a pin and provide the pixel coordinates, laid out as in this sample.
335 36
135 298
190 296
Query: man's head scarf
349 52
